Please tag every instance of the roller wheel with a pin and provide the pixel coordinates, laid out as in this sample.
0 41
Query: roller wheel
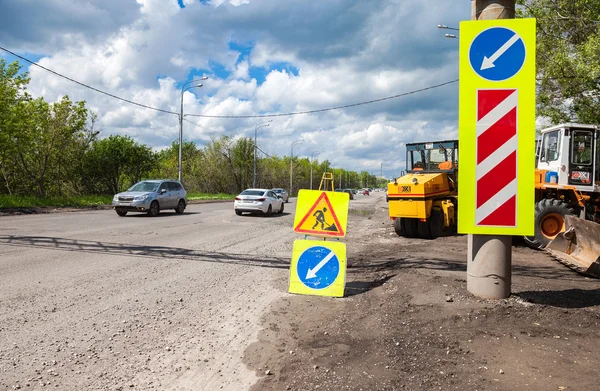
549 222
409 228
436 223
423 228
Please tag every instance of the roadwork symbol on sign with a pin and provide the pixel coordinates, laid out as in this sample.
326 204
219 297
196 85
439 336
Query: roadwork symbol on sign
322 213
497 127
318 268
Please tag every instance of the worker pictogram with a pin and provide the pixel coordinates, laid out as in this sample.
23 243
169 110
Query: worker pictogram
496 152
318 268
497 127
322 213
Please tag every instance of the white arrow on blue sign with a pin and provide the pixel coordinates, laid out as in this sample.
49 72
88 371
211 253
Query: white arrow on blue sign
318 267
497 54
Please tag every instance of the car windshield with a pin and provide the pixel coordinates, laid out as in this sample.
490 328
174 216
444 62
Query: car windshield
144 186
253 192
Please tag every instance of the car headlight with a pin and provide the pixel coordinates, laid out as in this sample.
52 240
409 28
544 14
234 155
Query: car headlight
116 197
141 198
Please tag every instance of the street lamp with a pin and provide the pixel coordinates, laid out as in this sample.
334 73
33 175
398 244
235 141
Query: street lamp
186 86
443 26
258 125
312 155
292 162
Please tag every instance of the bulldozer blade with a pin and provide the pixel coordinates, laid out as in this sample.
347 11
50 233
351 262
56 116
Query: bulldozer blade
578 247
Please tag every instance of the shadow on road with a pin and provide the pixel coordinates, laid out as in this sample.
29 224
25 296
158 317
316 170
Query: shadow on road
569 298
354 288
443 264
161 252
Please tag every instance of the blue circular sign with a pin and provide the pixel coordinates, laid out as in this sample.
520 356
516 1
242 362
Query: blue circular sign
497 54
318 267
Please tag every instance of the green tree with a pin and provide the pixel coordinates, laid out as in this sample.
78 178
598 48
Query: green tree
568 58
12 95
42 136
117 162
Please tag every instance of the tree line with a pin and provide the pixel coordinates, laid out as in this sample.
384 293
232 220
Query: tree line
55 149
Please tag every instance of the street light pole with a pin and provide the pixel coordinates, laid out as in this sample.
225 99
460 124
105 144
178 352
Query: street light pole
186 86
258 125
292 163
312 155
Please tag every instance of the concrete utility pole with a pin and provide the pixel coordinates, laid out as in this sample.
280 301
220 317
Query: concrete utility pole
490 256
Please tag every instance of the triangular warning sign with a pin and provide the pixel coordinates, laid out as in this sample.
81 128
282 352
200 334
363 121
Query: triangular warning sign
320 219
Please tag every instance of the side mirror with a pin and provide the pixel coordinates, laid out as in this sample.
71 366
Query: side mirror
163 191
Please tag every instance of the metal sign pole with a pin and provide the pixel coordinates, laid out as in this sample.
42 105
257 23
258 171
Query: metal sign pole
490 256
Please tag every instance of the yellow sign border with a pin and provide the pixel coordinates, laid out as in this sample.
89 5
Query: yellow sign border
340 201
470 82
336 289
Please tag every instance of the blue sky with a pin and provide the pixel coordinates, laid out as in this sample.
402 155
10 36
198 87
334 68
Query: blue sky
261 57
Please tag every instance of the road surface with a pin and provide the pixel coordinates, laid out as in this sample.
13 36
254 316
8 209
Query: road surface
90 300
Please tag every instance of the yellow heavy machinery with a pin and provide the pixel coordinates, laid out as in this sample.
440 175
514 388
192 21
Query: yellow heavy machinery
423 203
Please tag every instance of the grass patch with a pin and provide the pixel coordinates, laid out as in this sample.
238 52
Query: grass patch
8 201
206 196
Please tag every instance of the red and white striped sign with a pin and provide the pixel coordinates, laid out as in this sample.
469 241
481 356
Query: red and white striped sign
496 170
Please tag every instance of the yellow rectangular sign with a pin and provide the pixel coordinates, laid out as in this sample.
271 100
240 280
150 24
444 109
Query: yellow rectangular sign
497 127
322 213
318 268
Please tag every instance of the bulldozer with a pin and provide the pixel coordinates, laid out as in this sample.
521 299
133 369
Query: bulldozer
423 203
567 194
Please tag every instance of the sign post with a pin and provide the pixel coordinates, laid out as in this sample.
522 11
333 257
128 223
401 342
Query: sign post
496 135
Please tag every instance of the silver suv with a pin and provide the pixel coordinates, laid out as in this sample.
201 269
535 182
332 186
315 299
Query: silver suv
151 197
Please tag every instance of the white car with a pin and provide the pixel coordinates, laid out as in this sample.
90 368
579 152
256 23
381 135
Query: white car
263 201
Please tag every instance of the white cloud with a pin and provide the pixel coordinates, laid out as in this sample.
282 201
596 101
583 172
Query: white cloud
343 52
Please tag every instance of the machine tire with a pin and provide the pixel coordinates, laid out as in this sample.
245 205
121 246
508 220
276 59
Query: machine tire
154 209
423 228
180 207
409 228
398 227
281 209
436 223
238 212
121 212
269 211
549 221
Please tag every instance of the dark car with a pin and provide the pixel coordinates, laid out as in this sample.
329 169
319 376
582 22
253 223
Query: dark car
349 191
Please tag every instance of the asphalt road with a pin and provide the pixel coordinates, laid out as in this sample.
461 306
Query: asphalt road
90 300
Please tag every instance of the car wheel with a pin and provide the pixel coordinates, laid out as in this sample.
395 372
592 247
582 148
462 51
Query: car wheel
180 207
238 212
269 211
121 212
154 209
287 199
281 209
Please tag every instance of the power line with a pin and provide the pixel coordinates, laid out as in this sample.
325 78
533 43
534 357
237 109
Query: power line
229 116
88 86
327 109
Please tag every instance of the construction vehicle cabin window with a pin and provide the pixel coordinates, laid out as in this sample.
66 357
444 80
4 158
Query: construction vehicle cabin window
582 148
550 146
